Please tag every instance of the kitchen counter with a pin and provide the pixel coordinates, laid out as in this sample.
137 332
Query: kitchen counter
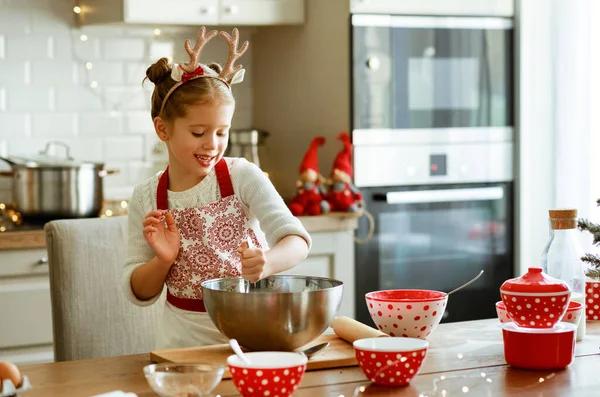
19 239
463 357
334 222
36 238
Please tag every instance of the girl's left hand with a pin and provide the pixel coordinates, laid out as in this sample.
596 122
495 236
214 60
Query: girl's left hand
253 262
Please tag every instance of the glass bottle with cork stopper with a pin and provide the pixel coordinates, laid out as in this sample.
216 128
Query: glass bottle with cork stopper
562 257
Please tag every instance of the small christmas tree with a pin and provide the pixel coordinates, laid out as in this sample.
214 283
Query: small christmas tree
594 260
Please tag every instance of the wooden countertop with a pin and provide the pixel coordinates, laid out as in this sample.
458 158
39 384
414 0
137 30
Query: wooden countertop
20 239
479 370
14 239
333 222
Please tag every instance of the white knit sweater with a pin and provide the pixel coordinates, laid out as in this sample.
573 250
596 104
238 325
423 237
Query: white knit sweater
250 185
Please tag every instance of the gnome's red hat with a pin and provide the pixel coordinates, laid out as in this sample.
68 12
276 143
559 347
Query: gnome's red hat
343 160
310 160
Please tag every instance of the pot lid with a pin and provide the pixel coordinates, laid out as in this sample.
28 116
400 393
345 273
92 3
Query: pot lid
534 281
49 158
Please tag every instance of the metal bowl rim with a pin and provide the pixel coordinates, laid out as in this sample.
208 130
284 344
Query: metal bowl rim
292 276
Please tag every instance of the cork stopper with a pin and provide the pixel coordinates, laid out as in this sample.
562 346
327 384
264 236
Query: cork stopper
563 218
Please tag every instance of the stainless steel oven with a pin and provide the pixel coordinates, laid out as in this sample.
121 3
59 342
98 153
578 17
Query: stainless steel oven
431 72
433 134
438 237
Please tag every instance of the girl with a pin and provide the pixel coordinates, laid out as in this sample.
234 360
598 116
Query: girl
191 223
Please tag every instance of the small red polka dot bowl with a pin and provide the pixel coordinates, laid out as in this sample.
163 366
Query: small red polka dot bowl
535 300
390 361
412 313
574 313
502 313
270 374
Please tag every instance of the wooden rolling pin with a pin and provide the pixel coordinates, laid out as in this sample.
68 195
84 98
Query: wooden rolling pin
350 330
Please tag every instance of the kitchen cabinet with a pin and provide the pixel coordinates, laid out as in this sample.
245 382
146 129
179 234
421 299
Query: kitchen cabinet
332 256
433 7
193 12
25 310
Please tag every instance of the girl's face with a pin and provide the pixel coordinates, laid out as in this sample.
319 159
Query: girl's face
197 141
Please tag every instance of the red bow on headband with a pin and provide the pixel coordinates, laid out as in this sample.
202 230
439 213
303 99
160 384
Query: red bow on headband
187 76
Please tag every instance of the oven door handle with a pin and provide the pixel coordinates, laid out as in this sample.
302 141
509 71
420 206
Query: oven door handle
443 195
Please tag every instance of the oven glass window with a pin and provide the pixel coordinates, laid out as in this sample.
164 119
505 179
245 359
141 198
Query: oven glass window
417 72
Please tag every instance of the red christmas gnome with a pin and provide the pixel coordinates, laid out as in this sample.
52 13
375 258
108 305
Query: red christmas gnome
343 195
309 198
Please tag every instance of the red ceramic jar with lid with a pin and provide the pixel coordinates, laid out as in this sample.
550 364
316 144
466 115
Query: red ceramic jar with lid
535 300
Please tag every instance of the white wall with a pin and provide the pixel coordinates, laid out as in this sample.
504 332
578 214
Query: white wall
559 117
302 89
46 93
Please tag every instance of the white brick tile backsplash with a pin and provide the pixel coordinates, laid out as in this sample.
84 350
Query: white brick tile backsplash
15 17
52 16
14 125
141 170
71 47
3 149
139 122
107 73
127 98
2 99
154 149
46 92
26 48
2 47
26 146
12 72
77 99
135 72
159 49
53 73
124 148
86 149
105 123
53 125
114 181
28 99
130 49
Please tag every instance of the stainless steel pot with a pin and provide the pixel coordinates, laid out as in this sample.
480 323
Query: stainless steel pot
52 187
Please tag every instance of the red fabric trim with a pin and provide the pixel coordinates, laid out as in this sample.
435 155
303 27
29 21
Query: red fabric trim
162 201
224 178
192 305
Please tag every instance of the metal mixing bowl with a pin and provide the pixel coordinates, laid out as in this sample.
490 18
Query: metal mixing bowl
278 313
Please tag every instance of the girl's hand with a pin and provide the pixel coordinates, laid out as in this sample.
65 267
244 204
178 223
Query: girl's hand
253 262
163 240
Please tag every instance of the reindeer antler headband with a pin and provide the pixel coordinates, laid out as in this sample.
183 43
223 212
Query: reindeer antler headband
182 73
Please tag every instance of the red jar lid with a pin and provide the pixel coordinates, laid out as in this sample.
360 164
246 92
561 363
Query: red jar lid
534 281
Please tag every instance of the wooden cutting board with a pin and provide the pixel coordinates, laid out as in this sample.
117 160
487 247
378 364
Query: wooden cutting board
339 353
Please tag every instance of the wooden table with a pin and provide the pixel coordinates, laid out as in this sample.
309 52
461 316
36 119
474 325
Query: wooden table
464 359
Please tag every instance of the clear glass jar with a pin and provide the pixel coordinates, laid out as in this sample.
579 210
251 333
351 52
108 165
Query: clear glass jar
562 257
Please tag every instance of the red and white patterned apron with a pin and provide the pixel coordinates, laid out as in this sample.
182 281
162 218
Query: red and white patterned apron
210 236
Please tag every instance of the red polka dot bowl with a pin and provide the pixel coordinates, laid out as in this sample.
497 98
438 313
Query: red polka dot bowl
390 361
535 300
574 313
502 313
270 374
412 313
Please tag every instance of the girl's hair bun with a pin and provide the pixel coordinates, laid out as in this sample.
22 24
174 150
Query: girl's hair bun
158 71
216 67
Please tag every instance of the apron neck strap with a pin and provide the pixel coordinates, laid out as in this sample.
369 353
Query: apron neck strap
223 178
